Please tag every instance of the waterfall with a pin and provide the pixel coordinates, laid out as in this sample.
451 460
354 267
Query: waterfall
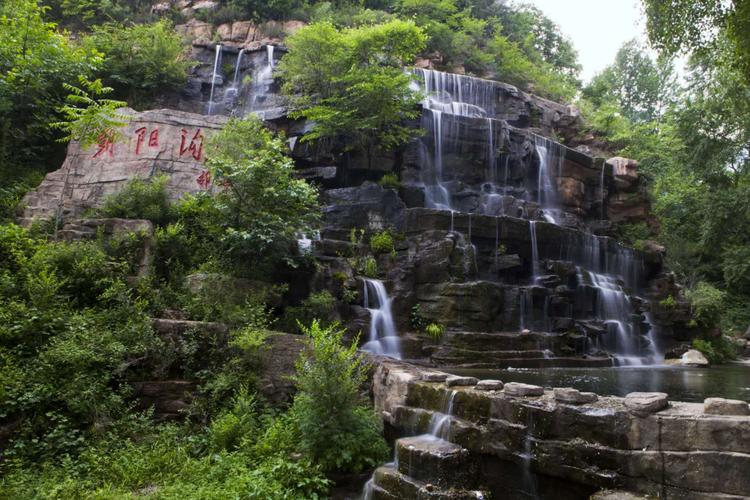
601 191
440 423
548 152
613 308
214 77
436 195
262 82
383 337
534 252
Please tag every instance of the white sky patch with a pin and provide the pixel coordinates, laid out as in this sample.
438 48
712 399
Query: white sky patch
597 28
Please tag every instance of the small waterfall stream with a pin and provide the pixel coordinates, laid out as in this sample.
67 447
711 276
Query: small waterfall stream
215 76
383 338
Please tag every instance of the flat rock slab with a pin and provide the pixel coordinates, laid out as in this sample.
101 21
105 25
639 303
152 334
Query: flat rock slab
434 377
568 395
489 385
518 389
461 381
721 406
643 404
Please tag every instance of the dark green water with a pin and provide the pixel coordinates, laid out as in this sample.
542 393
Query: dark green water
682 384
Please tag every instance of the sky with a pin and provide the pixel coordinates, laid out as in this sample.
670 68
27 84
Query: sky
597 28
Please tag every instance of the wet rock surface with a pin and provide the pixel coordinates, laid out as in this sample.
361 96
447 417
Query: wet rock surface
681 451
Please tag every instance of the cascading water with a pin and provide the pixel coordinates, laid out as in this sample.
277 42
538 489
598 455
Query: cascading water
215 76
383 337
610 270
534 251
550 154
440 422
232 93
262 83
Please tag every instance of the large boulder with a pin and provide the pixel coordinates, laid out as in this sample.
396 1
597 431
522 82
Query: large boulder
153 142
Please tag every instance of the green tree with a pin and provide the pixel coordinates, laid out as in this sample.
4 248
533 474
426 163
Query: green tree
141 62
263 206
35 62
643 88
88 116
336 427
350 84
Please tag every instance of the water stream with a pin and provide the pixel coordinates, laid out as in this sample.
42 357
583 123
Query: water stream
383 338
214 77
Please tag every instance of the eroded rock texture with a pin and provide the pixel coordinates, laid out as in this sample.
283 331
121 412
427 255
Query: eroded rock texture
154 142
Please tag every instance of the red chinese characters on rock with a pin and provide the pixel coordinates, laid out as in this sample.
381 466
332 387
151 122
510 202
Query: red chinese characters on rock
105 145
140 138
204 180
195 147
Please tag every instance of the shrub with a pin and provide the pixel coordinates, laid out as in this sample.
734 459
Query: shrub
390 181
707 302
241 421
264 206
83 269
319 306
382 242
336 428
369 267
435 331
717 350
417 321
141 199
141 61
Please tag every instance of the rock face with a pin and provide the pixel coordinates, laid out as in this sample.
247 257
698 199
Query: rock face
721 406
153 142
539 447
693 358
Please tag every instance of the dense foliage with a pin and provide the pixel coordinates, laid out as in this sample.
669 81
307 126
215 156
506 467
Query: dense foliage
691 139
351 85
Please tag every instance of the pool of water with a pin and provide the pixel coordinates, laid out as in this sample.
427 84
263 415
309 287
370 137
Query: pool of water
682 384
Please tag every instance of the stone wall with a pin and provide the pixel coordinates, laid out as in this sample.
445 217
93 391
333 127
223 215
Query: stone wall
153 142
526 437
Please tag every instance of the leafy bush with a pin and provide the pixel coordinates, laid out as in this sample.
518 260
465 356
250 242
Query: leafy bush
716 350
435 331
336 428
141 61
265 207
351 85
83 270
390 181
320 306
708 303
416 320
382 242
369 267
141 199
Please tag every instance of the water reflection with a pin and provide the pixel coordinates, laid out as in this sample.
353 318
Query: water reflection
682 384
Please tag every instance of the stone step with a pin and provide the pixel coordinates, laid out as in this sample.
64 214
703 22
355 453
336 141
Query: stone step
435 461
506 341
390 484
551 362
444 354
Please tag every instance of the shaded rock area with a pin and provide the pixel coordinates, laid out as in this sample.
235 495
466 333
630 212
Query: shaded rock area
542 447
